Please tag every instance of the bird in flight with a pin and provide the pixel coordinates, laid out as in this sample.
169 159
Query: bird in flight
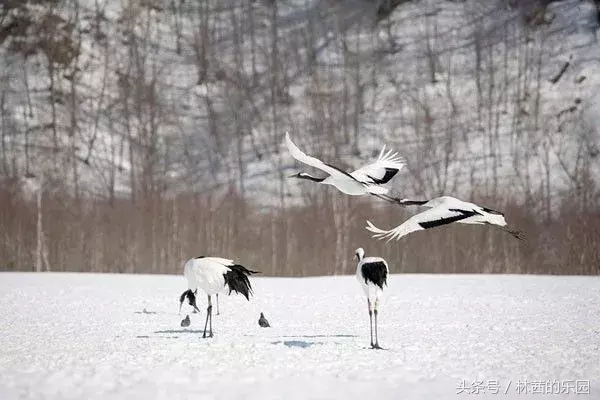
365 180
442 211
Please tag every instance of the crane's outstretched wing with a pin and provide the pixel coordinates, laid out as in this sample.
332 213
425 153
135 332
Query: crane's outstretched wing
312 161
382 170
430 218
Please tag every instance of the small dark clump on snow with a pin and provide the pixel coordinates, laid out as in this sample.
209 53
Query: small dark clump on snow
186 321
262 321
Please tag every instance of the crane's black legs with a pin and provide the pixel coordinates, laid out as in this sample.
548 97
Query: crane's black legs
218 313
208 316
370 320
210 323
371 312
376 346
516 234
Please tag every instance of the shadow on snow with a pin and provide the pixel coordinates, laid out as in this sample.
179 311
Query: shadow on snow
144 311
320 336
296 343
181 331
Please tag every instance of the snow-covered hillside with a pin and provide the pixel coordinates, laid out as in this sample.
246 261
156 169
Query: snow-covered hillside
199 94
85 336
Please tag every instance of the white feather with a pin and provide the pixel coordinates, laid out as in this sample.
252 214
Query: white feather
377 169
206 273
308 160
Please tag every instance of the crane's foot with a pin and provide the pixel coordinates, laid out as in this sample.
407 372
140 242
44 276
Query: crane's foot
376 346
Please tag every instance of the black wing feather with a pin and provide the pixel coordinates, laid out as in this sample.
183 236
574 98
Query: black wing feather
237 280
464 214
375 272
389 174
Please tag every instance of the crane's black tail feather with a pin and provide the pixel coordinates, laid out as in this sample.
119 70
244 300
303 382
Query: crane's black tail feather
237 280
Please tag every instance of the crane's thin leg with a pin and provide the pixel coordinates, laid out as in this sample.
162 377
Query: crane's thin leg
516 234
218 313
370 320
210 323
208 315
376 346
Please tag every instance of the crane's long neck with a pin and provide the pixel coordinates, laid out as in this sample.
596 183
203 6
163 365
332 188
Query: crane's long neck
407 202
360 254
303 175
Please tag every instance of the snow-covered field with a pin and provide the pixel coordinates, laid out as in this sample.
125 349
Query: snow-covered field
85 336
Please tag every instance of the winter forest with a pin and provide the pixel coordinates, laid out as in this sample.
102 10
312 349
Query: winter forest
135 134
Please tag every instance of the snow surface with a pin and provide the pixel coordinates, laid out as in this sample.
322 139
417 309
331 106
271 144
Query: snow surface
86 336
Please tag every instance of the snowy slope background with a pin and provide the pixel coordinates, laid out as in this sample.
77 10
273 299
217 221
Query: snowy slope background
74 336
462 89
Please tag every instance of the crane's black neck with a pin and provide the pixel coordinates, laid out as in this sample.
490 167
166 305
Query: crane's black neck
303 175
407 202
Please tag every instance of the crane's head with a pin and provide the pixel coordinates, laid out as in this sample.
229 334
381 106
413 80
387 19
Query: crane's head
191 299
359 254
304 175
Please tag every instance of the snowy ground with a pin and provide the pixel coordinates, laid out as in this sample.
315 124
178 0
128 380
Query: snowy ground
83 336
